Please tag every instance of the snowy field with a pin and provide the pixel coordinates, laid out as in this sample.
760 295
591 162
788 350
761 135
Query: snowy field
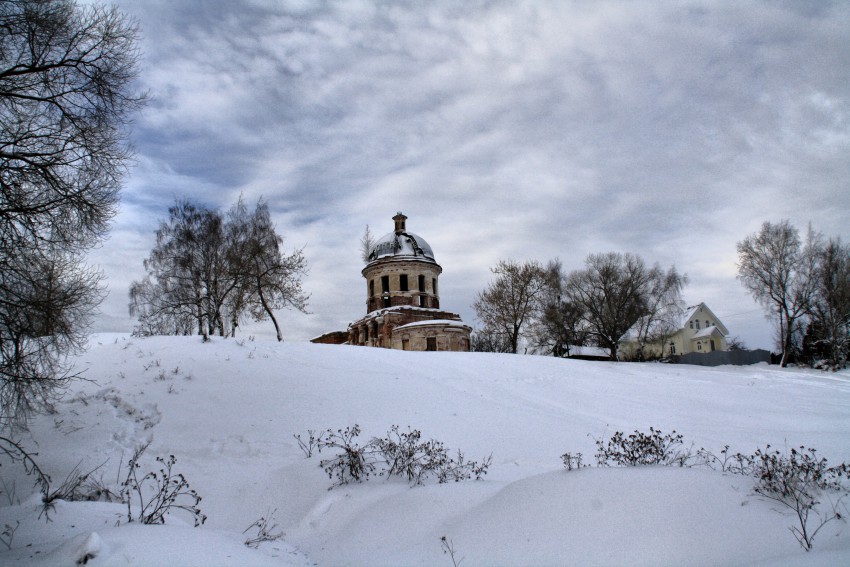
227 410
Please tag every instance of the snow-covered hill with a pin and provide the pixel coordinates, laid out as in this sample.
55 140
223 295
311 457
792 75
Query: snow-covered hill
227 410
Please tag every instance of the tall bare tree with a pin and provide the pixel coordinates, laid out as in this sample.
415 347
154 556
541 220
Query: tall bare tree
779 271
560 324
66 98
213 270
271 279
511 300
187 276
613 292
664 308
830 304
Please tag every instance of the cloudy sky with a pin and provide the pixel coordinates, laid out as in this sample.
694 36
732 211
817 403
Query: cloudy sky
521 130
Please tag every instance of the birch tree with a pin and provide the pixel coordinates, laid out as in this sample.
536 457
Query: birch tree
779 271
512 300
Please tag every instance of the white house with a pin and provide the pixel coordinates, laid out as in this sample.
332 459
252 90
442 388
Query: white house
698 330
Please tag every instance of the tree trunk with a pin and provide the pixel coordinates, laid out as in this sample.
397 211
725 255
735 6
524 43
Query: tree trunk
270 314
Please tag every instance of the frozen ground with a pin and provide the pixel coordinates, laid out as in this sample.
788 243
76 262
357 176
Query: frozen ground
228 411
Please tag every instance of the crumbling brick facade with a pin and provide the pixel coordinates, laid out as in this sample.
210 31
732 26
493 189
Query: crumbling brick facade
403 300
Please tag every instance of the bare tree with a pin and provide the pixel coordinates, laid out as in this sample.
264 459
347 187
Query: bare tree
779 271
272 280
613 292
65 101
184 273
830 305
512 300
663 309
484 340
213 271
560 324
367 242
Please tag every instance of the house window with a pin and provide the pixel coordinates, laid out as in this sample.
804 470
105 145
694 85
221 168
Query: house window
431 343
697 324
692 324
699 347
707 324
672 348
385 284
402 282
421 283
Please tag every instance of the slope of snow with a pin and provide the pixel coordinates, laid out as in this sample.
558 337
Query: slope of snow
228 411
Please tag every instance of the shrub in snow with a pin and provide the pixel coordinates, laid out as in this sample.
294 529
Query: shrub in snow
264 531
641 449
8 534
572 461
400 453
157 493
309 445
448 547
406 455
353 462
797 481
16 454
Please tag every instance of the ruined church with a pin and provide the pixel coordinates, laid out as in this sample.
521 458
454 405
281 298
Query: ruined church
402 299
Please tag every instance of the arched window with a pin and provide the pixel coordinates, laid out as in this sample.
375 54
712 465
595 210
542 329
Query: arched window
697 324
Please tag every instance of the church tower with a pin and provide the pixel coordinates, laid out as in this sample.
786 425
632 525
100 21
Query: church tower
402 297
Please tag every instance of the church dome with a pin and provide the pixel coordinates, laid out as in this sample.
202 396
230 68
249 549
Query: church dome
401 243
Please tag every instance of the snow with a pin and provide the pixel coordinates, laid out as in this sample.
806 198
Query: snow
393 244
228 410
444 322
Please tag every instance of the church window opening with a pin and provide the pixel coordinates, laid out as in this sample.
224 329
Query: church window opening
421 283
402 282
385 284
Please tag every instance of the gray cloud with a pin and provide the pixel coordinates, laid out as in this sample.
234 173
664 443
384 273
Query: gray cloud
503 129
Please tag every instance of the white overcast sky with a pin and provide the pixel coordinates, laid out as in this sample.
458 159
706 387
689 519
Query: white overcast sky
521 130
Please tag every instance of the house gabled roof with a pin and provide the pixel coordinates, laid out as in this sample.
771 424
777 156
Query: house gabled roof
716 324
694 309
